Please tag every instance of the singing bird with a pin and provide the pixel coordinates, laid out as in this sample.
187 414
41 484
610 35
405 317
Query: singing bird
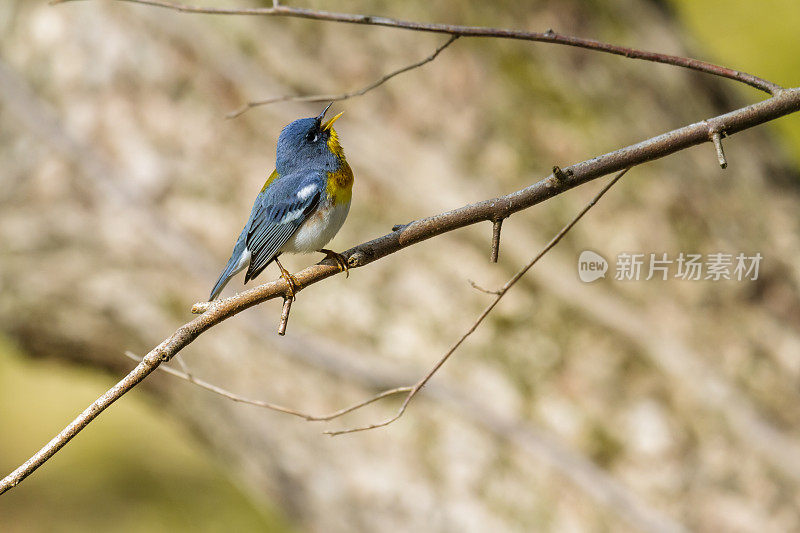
302 205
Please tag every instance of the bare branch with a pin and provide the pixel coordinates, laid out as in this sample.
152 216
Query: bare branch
342 96
500 293
482 289
471 31
178 358
716 138
497 225
785 102
287 308
269 405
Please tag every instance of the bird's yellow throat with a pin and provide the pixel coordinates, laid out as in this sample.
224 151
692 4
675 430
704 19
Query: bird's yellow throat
340 181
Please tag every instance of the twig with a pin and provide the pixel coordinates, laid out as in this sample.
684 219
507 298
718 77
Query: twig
342 96
287 308
716 138
471 31
482 289
785 102
496 227
181 363
269 405
500 293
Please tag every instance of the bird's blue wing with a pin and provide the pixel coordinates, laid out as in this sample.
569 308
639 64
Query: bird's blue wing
277 214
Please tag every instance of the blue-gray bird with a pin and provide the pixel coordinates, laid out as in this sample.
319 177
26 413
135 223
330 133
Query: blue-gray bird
302 205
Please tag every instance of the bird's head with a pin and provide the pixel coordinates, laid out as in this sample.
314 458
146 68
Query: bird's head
309 143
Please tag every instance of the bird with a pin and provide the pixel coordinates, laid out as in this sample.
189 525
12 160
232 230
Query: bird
301 206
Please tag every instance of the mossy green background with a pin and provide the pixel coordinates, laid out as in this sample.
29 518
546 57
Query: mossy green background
762 38
155 477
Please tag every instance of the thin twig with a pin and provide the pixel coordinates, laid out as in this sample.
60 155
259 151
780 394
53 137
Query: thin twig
502 292
482 289
342 96
269 405
287 308
785 102
716 138
471 31
181 363
497 225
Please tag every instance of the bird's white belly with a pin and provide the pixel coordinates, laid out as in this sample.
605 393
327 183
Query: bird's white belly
318 229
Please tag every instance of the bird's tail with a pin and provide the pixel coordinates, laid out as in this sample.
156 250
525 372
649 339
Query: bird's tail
240 258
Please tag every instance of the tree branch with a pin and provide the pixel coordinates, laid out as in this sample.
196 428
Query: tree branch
785 102
185 375
716 138
497 225
343 96
471 31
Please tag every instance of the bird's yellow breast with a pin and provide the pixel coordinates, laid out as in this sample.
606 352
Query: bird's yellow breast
340 181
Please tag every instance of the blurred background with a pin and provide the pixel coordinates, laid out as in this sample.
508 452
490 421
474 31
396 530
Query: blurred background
624 406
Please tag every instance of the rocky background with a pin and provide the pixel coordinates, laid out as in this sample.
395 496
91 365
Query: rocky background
649 405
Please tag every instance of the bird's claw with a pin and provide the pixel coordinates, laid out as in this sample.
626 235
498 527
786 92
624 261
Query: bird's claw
293 284
340 260
291 281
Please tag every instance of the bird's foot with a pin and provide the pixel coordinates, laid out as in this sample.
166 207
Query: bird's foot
340 260
291 281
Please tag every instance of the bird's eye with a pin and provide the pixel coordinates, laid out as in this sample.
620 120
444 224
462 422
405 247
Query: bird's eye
312 136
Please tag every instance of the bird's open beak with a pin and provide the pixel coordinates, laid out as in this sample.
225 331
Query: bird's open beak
322 115
327 126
